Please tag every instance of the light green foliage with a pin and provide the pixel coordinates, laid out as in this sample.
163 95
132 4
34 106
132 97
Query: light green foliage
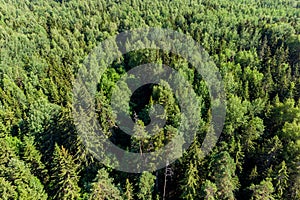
209 190
65 177
190 184
7 191
146 186
16 179
281 179
103 187
263 191
128 194
255 45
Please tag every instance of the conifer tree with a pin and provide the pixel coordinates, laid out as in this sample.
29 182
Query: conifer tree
128 194
103 187
7 190
146 186
263 191
222 169
64 182
209 190
34 157
190 183
281 180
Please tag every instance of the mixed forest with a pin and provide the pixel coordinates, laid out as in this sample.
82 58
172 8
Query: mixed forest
255 44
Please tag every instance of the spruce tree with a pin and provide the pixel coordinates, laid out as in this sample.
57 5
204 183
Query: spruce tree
209 190
263 191
190 183
103 187
128 194
222 173
146 186
65 178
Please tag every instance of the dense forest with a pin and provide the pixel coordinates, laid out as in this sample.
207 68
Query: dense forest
255 44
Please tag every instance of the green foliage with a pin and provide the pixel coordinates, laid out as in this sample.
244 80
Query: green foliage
209 190
191 183
255 45
146 186
128 194
103 187
222 169
281 179
263 191
7 191
65 177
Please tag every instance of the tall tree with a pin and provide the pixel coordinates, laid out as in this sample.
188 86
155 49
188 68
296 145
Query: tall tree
103 187
64 181
263 191
190 183
209 190
281 180
128 194
222 169
146 186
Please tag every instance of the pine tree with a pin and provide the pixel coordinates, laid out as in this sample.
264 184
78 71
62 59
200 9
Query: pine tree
263 191
281 180
146 186
140 138
65 176
103 187
7 190
34 157
128 194
209 190
190 183
222 169
253 129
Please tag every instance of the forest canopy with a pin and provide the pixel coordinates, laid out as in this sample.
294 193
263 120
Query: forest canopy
254 44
